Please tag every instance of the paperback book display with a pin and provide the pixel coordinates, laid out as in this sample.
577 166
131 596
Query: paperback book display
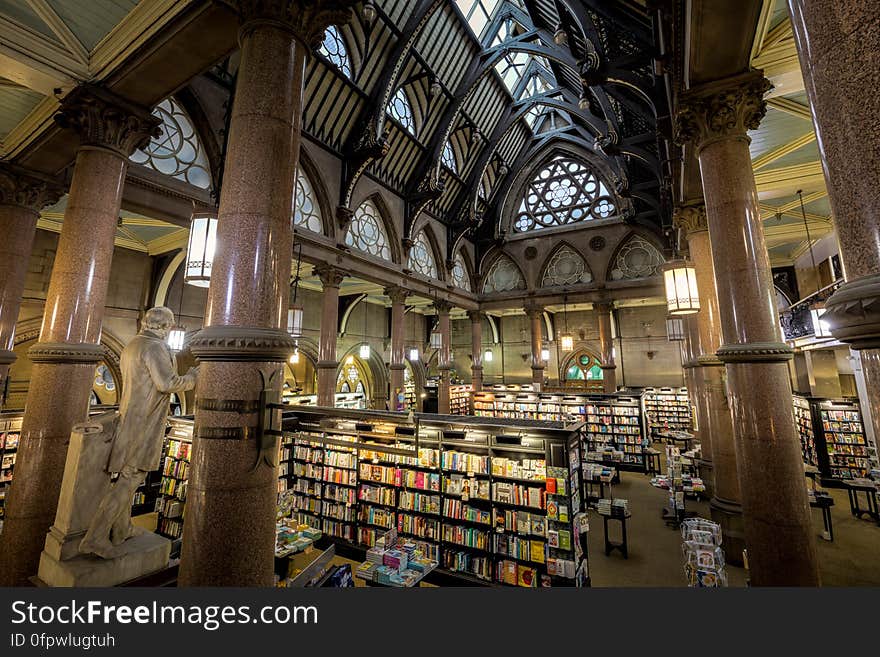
10 433
171 499
673 482
487 500
667 409
703 556
393 561
833 435
460 399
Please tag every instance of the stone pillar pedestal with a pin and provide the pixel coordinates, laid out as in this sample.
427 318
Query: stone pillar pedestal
476 318
397 365
536 316
778 526
443 364
229 530
22 195
68 350
331 279
606 341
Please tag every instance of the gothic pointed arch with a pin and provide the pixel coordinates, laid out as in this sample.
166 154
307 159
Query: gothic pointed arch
637 257
565 266
311 207
371 231
461 273
503 275
424 254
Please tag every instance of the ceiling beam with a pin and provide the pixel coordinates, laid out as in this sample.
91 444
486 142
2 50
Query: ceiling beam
51 18
34 61
790 107
790 178
777 153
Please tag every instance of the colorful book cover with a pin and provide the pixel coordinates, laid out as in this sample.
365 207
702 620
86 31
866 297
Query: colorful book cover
527 577
552 510
537 551
551 486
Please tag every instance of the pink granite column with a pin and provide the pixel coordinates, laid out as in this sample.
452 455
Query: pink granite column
331 279
443 363
22 195
536 316
838 42
778 528
64 358
229 531
397 363
606 343
476 318
710 393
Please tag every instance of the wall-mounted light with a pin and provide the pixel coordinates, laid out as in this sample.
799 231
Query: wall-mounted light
487 357
176 337
200 249
682 296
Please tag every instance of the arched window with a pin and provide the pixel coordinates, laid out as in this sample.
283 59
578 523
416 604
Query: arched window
637 258
583 366
459 274
177 152
565 191
333 48
535 86
448 158
306 213
503 276
401 111
421 258
367 232
565 267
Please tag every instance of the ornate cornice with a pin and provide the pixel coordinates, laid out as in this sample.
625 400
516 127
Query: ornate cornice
107 121
28 190
396 293
7 357
755 352
242 343
690 218
721 110
330 276
853 313
305 19
709 360
65 352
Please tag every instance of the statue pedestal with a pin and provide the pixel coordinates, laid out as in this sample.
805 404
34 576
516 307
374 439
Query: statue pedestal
82 489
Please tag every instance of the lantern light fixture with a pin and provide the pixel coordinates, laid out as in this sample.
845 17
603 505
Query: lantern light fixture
545 354
200 249
369 12
294 357
487 357
364 351
560 37
674 329
176 337
682 296
295 311
413 354
566 341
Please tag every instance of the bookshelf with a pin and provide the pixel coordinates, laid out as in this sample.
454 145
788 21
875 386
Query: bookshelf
342 399
460 399
836 432
491 501
409 391
171 499
613 432
667 408
10 434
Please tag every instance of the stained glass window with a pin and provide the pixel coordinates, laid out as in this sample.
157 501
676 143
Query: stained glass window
421 259
401 111
584 368
306 213
503 276
637 258
177 152
459 274
367 232
448 158
565 267
333 48
565 191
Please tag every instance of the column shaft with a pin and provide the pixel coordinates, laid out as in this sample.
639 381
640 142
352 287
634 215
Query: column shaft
398 334
232 488
331 278
535 316
476 318
443 363
606 343
778 527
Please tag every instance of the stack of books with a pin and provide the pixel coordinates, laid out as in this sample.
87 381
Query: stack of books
616 508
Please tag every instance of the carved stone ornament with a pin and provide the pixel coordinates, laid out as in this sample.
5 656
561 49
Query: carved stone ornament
853 313
307 19
597 243
7 357
330 276
723 110
242 344
476 316
396 293
755 352
442 307
28 190
105 120
64 352
690 218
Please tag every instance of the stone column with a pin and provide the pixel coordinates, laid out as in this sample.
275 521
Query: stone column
476 318
536 316
837 43
443 364
22 195
229 531
110 129
606 343
397 365
331 279
778 527
710 386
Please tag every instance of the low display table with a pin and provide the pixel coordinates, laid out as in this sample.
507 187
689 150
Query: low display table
622 545
820 499
869 488
652 461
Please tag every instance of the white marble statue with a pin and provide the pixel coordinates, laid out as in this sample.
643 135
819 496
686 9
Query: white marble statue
148 379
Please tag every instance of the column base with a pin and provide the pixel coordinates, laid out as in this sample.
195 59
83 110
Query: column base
707 474
729 515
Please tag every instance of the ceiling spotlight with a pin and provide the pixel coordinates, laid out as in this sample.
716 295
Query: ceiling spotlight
369 12
435 87
560 38
584 102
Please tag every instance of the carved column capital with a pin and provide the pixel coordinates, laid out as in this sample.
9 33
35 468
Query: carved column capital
330 276
396 293
690 218
104 120
533 311
603 307
721 110
344 216
305 19
476 316
442 307
27 189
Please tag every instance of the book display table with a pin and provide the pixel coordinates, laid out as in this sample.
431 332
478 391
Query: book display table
395 562
820 499
869 488
615 510
683 439
652 461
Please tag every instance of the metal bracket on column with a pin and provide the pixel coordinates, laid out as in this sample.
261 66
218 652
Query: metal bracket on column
269 427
